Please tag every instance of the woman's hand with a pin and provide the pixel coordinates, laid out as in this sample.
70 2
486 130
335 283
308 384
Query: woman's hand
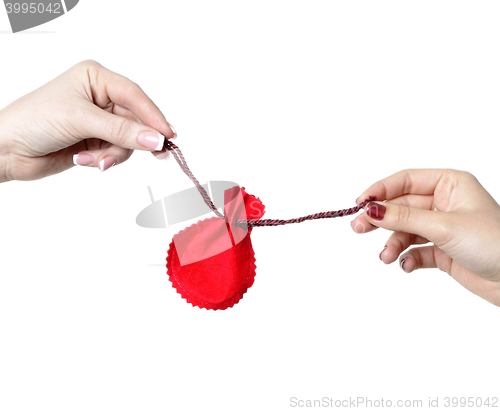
448 208
87 116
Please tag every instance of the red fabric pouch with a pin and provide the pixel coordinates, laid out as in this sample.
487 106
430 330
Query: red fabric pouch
211 263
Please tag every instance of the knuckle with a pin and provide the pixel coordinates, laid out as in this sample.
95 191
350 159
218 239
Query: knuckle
134 86
403 215
131 90
89 63
419 260
399 243
469 176
407 182
460 175
118 129
86 69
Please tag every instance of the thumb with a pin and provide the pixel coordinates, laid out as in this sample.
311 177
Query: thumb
432 225
122 131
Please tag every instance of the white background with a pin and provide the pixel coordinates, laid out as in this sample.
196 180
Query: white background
305 104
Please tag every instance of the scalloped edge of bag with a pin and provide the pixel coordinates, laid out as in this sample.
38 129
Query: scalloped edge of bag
195 302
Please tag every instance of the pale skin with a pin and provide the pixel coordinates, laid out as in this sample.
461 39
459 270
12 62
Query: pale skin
96 118
449 209
89 112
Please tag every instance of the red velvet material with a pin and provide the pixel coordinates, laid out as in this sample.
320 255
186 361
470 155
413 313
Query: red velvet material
212 263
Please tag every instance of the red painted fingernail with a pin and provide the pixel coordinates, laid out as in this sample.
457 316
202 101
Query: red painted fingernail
375 210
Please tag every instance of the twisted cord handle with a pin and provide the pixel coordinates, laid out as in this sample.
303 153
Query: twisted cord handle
184 167
176 152
317 216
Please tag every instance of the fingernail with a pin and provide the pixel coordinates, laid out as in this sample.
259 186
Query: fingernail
380 255
151 140
83 159
163 156
173 131
375 210
107 162
404 260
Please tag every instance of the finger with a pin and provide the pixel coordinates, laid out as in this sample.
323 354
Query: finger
361 225
107 85
434 257
49 164
397 243
125 112
104 158
433 225
425 202
94 143
162 155
120 131
415 181
419 257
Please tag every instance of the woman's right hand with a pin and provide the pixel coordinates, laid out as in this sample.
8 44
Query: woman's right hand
448 208
88 116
